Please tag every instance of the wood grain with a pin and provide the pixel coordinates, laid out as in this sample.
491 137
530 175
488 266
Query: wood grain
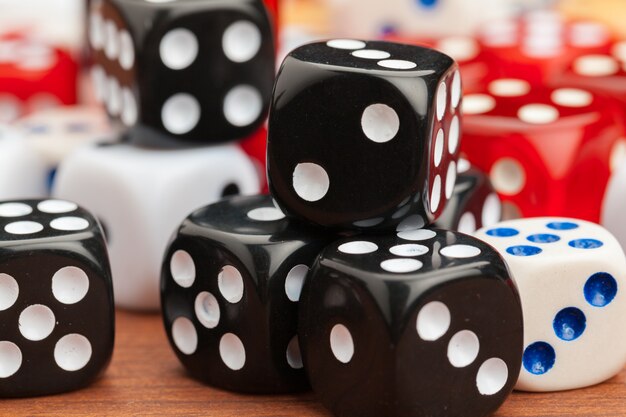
145 379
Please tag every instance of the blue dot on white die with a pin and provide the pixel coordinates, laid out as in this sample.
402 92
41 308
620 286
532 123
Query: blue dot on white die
569 324
600 289
539 358
585 243
523 250
562 225
502 232
543 238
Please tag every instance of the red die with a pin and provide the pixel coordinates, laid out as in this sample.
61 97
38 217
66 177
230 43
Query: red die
255 146
34 76
548 151
601 73
539 44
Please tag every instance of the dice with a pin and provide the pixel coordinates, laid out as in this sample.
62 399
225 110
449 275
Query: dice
474 202
230 287
424 323
542 145
571 275
24 173
56 298
364 135
213 62
34 76
141 195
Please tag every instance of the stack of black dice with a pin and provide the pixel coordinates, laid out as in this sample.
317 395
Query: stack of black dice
339 277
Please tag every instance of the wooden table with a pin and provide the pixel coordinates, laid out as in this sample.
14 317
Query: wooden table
145 379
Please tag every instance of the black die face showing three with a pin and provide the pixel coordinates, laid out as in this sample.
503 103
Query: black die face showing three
425 323
363 135
230 288
195 70
56 298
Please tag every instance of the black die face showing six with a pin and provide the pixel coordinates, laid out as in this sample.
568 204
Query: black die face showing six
346 111
230 288
427 323
56 303
202 73
474 203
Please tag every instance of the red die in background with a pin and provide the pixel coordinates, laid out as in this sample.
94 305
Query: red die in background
255 147
548 151
34 76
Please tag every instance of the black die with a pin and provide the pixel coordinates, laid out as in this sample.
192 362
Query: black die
56 303
199 71
428 323
230 287
363 135
474 202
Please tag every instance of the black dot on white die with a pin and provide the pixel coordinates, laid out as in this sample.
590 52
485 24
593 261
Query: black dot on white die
230 189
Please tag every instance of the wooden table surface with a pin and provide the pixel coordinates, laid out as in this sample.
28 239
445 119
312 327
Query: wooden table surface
145 379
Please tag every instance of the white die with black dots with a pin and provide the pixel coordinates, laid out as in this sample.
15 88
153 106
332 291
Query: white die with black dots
571 276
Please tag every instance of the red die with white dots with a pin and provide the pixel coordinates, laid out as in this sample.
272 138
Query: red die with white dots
602 73
541 43
34 75
547 151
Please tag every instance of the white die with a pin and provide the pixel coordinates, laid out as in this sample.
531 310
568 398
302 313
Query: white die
571 275
369 18
141 196
56 133
23 173
614 205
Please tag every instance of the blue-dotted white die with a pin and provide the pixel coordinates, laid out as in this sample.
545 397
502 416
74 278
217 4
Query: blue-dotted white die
571 276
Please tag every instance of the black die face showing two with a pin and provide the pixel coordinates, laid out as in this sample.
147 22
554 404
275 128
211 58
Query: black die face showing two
199 71
230 288
56 303
474 203
363 135
425 323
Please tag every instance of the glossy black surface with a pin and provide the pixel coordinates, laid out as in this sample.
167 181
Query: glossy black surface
466 210
320 96
32 260
265 319
208 78
393 371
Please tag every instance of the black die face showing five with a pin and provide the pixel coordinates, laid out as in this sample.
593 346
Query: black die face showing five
474 203
427 323
230 288
202 72
56 303
363 135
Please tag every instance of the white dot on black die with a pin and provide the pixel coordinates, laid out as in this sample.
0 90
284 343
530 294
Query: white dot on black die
310 181
442 99
417 235
371 54
182 268
397 64
207 309
178 48
435 194
454 135
492 376
129 107
9 291
230 283
184 335
380 123
70 285
341 343
439 145
460 251
450 179
69 224
127 50
242 105
23 228
56 206
294 282
72 352
433 321
266 214
463 348
467 223
294 357
359 247
36 322
10 359
241 41
232 351
180 113
401 265
15 209
409 249
348 44
492 210
456 91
